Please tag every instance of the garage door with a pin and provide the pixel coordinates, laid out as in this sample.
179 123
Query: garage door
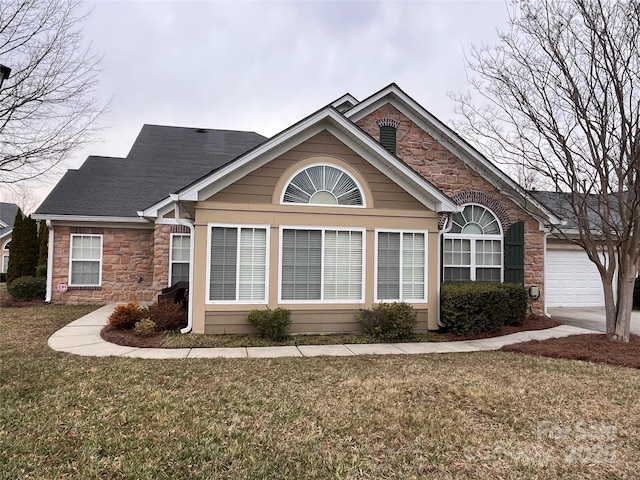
572 280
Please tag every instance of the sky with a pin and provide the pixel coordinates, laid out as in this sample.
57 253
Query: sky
264 65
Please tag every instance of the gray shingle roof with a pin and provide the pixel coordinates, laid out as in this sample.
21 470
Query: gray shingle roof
560 204
7 216
161 161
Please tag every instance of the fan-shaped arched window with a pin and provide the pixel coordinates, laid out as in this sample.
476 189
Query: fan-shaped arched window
323 185
473 246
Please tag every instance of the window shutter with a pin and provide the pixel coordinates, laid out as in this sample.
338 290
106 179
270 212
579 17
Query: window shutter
388 138
514 254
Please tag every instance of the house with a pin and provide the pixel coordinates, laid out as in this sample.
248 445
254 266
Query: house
7 216
361 201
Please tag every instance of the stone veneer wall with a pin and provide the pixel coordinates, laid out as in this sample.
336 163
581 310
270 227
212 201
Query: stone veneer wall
161 240
445 170
127 254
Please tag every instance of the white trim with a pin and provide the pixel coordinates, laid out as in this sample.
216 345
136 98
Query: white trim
71 259
238 227
50 254
322 301
449 139
402 231
334 122
347 97
323 164
7 242
92 219
171 262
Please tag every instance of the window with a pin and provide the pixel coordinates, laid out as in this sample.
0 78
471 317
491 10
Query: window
238 264
323 185
322 265
401 266
473 247
7 246
5 264
86 260
179 258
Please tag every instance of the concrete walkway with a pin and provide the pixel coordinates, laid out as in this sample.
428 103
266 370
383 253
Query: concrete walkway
82 337
592 318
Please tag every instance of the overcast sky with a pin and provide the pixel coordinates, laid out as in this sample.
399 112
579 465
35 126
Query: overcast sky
262 66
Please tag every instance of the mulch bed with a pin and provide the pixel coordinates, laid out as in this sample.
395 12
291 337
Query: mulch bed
130 338
591 348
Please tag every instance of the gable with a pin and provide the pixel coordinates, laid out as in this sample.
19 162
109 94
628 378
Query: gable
265 184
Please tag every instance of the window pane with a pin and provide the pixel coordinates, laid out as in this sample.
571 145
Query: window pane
342 265
488 274
457 274
413 264
253 266
301 264
388 266
179 273
224 250
180 248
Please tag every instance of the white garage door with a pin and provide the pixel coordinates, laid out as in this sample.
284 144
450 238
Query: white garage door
572 280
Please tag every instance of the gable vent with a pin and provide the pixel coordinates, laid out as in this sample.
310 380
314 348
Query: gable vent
388 128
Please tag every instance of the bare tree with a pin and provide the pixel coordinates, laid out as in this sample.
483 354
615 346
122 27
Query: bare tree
560 95
49 104
22 195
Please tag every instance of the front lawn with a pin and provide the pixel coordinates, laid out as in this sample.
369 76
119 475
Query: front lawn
476 415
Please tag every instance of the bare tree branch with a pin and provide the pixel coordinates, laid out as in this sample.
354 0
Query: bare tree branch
49 106
560 97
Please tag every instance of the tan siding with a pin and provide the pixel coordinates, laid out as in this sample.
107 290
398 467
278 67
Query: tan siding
303 321
259 186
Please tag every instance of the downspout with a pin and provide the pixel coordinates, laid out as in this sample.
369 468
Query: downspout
544 273
446 228
49 294
190 224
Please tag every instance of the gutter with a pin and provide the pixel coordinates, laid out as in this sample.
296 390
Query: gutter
448 224
191 226
49 294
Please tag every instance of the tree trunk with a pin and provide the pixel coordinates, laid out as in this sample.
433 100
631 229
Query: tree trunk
619 316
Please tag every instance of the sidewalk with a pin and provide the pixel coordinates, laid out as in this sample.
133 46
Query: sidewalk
82 337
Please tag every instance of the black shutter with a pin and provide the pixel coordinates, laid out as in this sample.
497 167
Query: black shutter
388 138
514 254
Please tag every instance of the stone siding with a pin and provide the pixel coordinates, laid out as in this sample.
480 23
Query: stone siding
127 267
450 174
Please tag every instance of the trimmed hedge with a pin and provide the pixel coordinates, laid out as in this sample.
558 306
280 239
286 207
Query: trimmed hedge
392 321
470 308
28 288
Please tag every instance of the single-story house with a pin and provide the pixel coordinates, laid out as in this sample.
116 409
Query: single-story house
7 216
360 202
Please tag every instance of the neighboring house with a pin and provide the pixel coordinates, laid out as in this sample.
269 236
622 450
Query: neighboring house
7 216
362 201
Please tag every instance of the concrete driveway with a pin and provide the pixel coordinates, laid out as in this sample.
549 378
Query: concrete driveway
592 318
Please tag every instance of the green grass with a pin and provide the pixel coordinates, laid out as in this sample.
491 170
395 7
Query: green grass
477 415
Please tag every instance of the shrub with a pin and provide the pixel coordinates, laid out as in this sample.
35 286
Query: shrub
126 316
166 315
41 271
271 324
28 288
393 321
517 299
145 327
475 307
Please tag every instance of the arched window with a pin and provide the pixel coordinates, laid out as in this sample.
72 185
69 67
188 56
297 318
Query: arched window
473 246
323 185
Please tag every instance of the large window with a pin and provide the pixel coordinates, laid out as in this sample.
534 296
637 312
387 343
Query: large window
323 185
86 260
401 266
5 264
237 264
322 264
179 258
473 247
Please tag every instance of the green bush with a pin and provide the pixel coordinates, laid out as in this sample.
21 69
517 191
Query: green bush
28 288
41 271
126 316
145 327
271 324
393 321
471 308
166 315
